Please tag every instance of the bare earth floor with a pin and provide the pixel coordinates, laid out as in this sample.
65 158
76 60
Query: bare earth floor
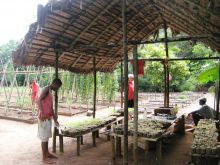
20 146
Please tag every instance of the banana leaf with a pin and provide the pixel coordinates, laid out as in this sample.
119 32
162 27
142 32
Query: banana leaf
209 75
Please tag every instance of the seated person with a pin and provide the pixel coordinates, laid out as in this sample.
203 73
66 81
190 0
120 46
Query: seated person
205 112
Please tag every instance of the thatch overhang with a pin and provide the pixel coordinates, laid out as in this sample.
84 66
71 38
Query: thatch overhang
79 27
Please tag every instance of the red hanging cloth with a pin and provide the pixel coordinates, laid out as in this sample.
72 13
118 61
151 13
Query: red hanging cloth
140 67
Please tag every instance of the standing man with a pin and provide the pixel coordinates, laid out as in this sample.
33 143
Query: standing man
34 91
45 115
130 91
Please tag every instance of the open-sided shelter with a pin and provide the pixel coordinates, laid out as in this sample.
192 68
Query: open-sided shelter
70 33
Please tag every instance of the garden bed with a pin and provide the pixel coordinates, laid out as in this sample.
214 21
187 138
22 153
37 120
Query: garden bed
15 115
66 112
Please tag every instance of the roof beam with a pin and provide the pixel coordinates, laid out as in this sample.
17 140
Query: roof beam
179 59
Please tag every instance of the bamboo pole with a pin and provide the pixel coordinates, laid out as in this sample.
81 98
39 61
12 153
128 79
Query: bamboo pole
95 87
125 50
121 84
56 99
2 83
135 57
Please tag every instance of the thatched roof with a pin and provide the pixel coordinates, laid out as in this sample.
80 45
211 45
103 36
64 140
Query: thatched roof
79 26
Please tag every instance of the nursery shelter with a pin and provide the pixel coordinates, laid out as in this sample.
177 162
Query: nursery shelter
86 36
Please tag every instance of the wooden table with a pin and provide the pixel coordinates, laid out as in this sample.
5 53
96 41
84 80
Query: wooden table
79 138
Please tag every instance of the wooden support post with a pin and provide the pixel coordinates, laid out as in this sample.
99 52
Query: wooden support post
218 94
121 89
166 69
61 143
94 139
125 50
165 83
78 145
135 140
55 132
94 96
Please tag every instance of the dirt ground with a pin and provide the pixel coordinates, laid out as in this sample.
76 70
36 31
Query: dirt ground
20 146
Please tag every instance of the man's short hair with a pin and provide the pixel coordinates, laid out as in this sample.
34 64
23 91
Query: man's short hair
57 81
203 99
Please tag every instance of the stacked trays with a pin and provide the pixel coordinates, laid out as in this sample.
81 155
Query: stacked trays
74 129
205 139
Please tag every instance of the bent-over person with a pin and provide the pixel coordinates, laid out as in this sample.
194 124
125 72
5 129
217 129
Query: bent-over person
45 115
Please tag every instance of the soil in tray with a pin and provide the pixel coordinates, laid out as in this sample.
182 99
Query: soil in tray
24 116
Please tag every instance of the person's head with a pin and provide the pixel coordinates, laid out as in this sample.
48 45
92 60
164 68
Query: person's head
34 80
130 77
202 101
56 84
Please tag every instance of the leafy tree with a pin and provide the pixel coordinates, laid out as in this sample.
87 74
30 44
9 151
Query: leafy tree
6 50
155 70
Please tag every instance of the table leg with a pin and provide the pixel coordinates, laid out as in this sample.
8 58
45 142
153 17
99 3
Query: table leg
78 145
118 146
113 149
81 140
159 150
146 147
108 128
94 139
182 124
97 134
61 143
